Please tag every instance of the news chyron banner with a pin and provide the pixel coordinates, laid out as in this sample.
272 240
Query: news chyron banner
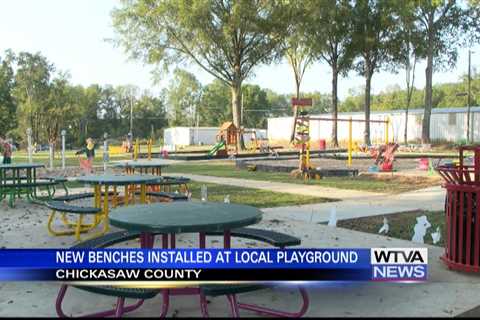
214 265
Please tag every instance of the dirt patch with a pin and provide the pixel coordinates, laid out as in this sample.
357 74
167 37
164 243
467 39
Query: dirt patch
400 224
415 182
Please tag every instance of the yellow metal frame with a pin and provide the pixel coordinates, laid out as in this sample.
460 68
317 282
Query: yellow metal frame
149 149
79 227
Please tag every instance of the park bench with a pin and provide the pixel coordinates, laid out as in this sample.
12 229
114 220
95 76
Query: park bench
14 189
59 180
276 239
61 205
167 182
120 293
167 196
79 196
72 228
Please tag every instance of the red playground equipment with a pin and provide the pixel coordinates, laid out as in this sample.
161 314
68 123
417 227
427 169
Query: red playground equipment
384 156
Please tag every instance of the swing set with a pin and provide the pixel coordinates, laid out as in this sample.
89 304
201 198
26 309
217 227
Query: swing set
301 129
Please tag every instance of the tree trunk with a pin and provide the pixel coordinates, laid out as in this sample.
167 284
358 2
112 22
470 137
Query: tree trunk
236 89
334 105
428 83
410 77
405 136
428 100
368 81
295 115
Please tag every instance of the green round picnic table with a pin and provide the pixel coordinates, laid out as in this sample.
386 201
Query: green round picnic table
184 217
18 180
116 179
143 167
21 166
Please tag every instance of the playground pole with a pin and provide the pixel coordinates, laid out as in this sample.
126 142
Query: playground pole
63 133
307 162
106 156
135 150
29 148
349 163
149 149
387 125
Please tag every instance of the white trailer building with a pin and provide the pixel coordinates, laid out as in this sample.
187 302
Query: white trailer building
189 136
446 124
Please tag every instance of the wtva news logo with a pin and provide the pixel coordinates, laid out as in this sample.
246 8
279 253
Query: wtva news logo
399 264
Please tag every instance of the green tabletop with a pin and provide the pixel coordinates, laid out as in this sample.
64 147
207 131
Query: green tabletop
135 164
116 179
21 166
184 217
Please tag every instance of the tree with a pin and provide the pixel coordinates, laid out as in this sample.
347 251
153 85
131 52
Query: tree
8 106
374 26
89 108
32 85
59 107
443 24
409 40
256 106
150 115
329 26
225 38
297 51
280 104
214 104
183 98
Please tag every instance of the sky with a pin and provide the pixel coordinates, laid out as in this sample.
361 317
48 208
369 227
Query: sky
72 34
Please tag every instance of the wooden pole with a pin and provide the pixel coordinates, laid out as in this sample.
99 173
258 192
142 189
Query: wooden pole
350 144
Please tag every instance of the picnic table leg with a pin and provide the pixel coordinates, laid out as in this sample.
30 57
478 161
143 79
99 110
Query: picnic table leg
105 210
143 193
227 239
115 199
127 195
119 307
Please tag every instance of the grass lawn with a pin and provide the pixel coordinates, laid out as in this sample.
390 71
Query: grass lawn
248 196
374 183
400 224
70 158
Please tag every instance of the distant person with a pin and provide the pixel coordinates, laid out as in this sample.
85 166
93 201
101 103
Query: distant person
89 151
6 150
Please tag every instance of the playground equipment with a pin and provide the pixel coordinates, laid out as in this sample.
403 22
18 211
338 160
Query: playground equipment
136 149
384 155
227 138
219 145
301 129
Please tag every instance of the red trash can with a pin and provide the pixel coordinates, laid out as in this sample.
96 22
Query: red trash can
322 144
462 210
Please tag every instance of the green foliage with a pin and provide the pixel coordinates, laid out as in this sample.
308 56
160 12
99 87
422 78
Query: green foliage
225 38
8 105
214 105
183 96
445 95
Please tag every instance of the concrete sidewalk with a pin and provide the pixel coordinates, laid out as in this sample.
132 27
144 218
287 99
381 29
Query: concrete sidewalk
306 190
352 204
431 199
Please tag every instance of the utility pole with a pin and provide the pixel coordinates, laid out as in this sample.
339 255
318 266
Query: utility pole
469 137
131 113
